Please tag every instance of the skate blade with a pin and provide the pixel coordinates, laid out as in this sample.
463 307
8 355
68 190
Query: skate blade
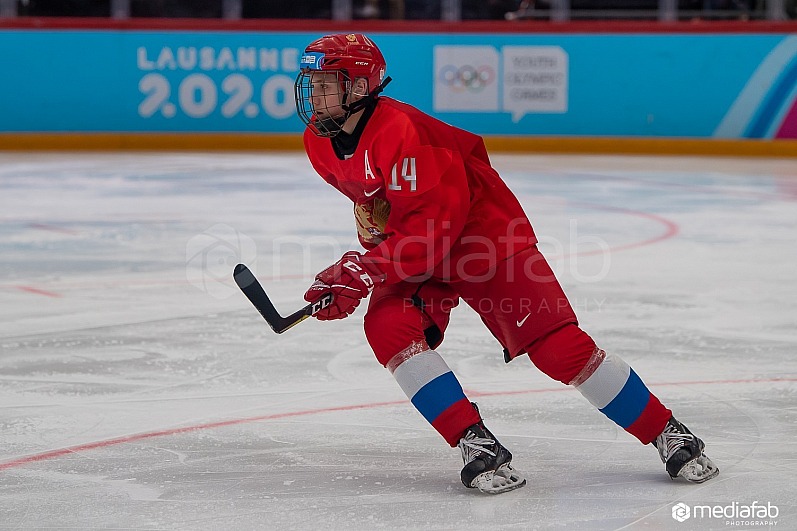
502 480
699 470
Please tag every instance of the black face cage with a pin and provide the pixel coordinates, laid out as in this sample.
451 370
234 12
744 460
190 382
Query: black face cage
303 91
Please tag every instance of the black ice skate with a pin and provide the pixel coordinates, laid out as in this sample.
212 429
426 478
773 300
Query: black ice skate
682 454
487 463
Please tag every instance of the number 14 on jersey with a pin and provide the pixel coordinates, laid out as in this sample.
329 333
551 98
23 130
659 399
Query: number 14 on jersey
407 175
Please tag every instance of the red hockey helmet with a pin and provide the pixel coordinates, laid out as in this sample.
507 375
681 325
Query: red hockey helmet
353 53
350 57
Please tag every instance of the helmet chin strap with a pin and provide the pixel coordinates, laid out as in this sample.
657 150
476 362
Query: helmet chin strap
332 126
366 101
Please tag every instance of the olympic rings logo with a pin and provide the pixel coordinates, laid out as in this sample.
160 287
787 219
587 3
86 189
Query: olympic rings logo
466 77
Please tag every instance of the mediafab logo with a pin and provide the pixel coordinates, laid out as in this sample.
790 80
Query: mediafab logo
735 514
681 512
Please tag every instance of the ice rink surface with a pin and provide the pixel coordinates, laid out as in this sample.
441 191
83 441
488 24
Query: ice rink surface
140 390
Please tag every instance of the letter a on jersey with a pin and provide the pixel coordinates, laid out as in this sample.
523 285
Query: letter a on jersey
368 173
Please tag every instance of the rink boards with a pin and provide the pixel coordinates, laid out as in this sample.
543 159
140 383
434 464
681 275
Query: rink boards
138 88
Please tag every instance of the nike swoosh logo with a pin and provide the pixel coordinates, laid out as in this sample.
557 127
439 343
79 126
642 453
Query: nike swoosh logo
369 194
520 323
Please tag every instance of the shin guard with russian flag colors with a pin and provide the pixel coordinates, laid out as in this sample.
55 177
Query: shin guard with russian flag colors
615 389
435 392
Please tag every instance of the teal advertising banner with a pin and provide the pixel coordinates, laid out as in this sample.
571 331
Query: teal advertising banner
641 85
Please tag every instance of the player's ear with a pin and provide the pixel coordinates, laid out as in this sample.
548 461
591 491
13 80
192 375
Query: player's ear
360 87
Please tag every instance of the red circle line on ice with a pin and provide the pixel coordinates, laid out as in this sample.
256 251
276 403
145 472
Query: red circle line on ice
96 445
671 230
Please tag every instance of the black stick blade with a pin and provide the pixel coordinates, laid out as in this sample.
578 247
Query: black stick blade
259 299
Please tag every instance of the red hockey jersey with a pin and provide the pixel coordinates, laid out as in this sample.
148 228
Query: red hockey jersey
427 202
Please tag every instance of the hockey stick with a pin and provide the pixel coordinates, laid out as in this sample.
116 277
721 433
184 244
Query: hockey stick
257 296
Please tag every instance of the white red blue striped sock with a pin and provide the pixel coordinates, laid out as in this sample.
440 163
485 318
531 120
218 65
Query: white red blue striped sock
434 390
613 387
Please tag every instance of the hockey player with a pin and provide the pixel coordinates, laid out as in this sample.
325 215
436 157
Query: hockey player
439 225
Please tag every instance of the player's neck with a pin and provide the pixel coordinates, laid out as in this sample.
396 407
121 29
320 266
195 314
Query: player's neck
351 123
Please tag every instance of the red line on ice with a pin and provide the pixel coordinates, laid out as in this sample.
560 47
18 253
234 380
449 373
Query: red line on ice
53 454
671 228
52 228
37 291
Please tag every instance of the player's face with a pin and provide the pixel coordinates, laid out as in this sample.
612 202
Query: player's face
325 95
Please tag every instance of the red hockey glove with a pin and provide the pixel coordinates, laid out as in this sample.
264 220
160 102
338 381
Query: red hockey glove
349 280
